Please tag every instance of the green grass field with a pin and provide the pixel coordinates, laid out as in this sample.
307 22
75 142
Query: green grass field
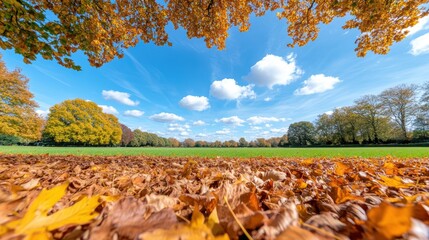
401 152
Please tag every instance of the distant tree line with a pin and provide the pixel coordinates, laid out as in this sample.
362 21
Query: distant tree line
396 115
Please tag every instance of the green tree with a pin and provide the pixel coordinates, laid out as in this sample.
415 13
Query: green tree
102 29
242 142
18 119
301 133
81 122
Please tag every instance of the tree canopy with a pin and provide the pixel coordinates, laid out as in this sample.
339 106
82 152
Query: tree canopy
301 133
102 29
17 115
81 122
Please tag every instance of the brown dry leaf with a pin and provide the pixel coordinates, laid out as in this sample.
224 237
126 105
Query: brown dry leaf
196 230
130 217
286 217
296 233
387 221
33 183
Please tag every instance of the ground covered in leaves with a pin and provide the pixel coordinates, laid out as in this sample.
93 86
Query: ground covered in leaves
68 197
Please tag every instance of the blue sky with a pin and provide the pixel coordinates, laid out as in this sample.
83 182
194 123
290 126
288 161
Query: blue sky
254 88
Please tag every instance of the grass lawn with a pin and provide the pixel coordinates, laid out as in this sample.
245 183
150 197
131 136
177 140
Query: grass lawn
225 152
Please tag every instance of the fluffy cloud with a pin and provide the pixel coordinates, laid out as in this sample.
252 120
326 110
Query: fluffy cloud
421 25
109 109
175 127
279 130
330 112
184 134
274 70
227 89
43 113
234 120
133 113
420 45
166 117
199 123
267 99
121 97
260 120
201 135
195 103
317 84
224 131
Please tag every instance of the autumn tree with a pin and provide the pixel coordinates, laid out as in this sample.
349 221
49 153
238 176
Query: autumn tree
301 133
102 29
81 122
400 104
174 142
189 142
127 135
18 118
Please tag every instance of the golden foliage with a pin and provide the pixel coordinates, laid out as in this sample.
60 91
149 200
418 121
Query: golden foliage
81 122
102 29
17 115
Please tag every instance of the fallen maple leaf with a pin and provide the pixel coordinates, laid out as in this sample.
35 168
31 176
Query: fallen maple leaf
387 221
36 223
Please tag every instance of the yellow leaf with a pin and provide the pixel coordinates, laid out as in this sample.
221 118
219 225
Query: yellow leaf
340 168
394 182
43 235
197 218
41 204
388 221
36 221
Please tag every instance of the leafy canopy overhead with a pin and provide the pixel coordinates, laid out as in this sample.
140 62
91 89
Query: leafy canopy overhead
102 29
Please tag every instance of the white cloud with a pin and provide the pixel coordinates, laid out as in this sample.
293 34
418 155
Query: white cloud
224 131
195 103
43 113
227 89
201 135
267 99
199 123
420 45
268 125
234 120
166 117
317 84
109 109
260 120
279 130
421 25
175 127
274 70
330 112
121 97
255 128
133 113
184 134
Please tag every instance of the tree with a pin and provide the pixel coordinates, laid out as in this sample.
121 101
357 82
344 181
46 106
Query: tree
174 142
189 142
81 122
242 142
127 135
18 118
102 29
301 133
375 124
400 104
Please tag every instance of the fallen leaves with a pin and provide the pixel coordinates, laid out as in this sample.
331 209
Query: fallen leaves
58 197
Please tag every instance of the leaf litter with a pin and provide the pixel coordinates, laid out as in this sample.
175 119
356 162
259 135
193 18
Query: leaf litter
137 197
